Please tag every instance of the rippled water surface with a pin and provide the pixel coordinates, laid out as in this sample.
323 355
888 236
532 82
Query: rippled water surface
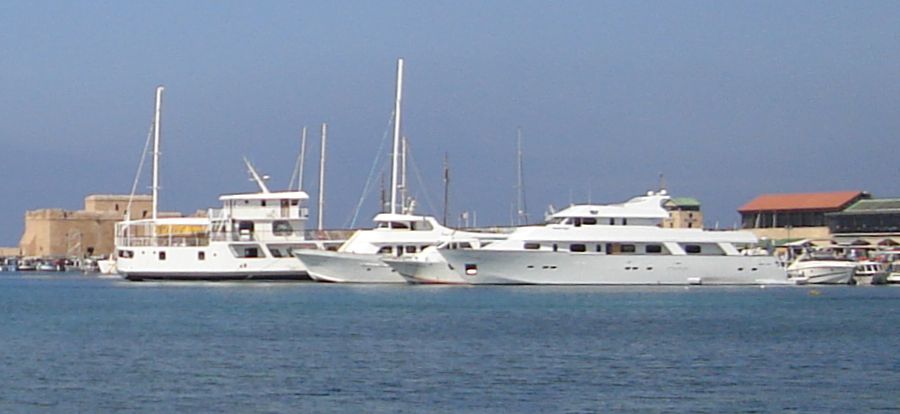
72 343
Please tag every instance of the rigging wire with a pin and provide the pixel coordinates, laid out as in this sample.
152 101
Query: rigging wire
137 175
375 163
421 182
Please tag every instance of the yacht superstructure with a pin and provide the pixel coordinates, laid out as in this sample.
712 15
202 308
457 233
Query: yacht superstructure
620 244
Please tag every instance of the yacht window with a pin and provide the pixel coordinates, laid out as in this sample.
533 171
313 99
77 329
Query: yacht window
251 252
383 225
599 248
421 226
576 221
612 222
532 246
410 249
262 203
465 245
627 248
692 249
399 225
201 255
246 252
577 248
555 247
653 248
385 250
624 221
295 202
275 252
589 221
556 220
162 255
282 228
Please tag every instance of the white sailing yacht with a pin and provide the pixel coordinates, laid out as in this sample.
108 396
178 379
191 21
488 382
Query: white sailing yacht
620 244
250 238
396 233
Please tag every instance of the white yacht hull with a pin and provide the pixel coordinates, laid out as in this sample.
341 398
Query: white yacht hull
426 271
219 264
822 272
564 268
338 267
106 266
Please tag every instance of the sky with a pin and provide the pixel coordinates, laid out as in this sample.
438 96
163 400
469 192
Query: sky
727 100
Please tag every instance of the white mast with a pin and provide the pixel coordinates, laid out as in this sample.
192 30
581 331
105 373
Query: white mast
394 157
322 178
302 160
156 123
401 188
522 218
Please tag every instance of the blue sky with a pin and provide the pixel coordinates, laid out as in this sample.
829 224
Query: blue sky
727 99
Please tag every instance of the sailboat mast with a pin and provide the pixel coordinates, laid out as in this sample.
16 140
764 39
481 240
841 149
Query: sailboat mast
401 189
321 223
156 124
394 157
302 160
446 187
520 197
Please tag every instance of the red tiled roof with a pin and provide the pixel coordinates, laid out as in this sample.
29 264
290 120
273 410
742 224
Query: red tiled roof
834 201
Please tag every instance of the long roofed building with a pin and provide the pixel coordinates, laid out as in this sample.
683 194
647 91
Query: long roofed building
795 215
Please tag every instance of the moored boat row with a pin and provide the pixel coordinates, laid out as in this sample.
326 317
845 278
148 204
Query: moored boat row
261 236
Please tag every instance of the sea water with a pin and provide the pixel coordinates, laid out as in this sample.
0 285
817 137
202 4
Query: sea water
75 343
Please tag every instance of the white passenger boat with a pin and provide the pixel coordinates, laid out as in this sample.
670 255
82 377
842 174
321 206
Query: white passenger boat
811 269
250 238
620 244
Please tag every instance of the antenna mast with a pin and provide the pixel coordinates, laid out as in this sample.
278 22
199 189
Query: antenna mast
260 180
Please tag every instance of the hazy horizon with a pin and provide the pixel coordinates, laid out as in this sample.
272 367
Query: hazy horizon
726 100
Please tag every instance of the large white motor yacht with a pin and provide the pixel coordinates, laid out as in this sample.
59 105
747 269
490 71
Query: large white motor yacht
618 244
